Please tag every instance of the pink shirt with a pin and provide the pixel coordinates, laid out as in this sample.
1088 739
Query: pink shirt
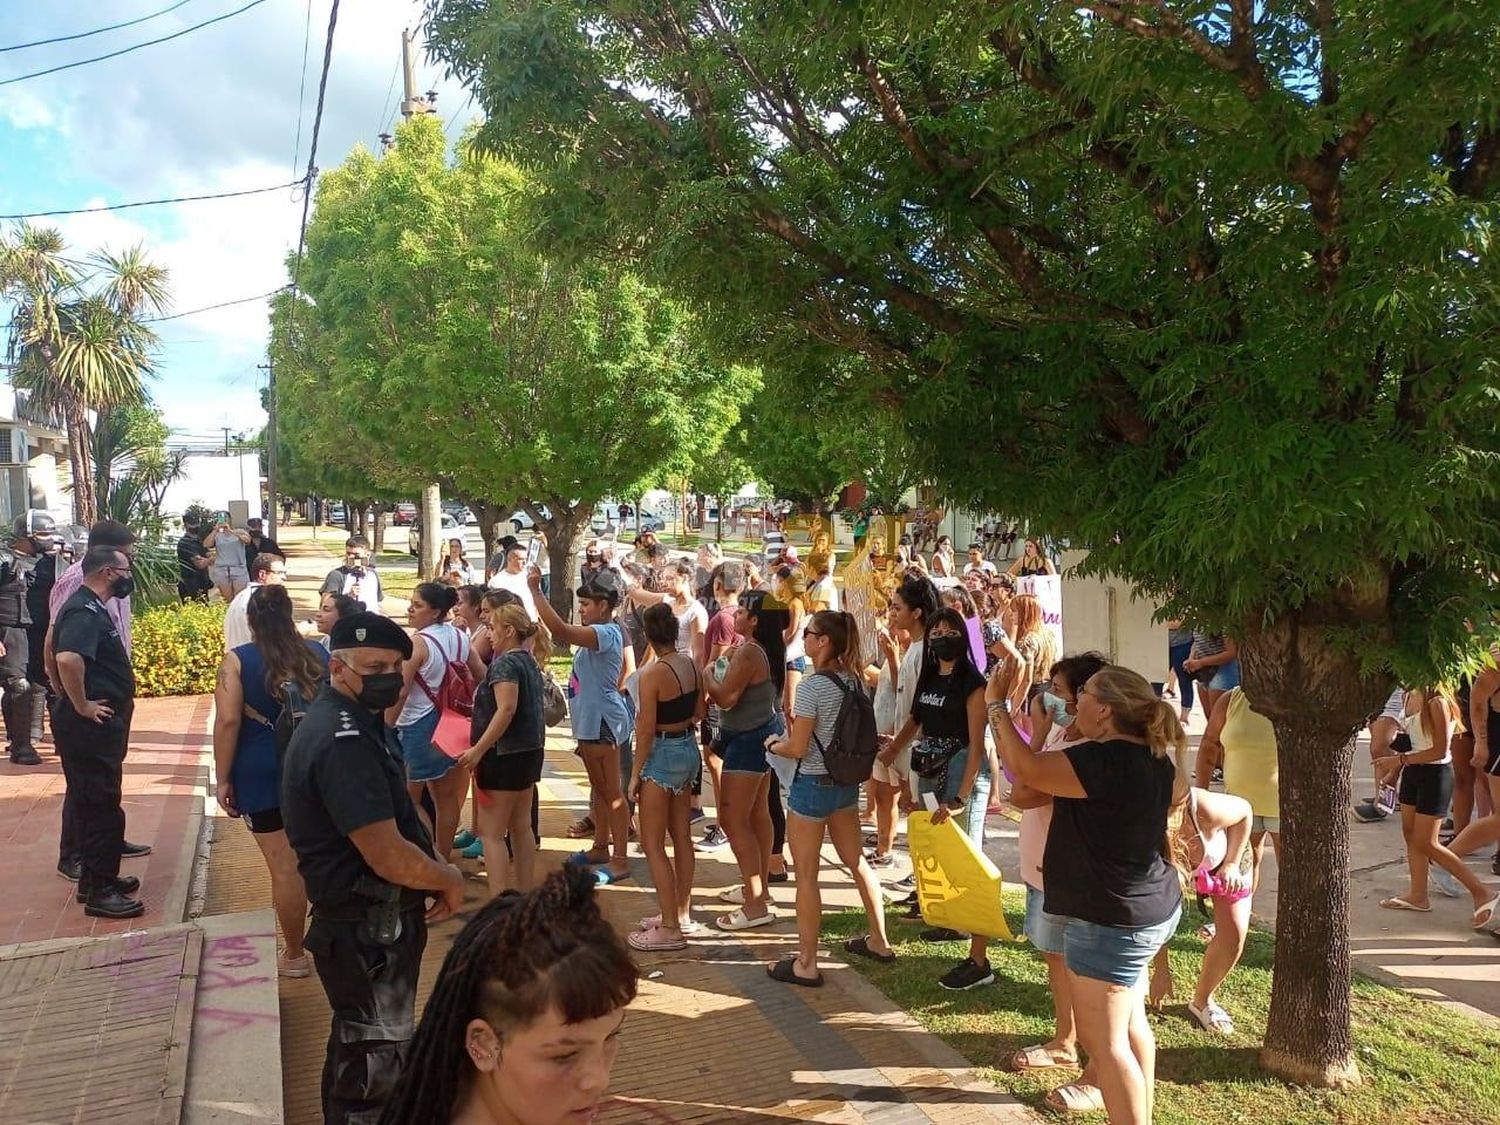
67 585
1037 822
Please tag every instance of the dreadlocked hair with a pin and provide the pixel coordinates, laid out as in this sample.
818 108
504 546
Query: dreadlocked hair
520 956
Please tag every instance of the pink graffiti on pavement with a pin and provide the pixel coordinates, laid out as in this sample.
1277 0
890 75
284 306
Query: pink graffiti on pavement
216 1022
236 951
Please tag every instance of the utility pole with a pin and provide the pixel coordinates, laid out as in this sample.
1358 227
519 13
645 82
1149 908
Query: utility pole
411 104
275 500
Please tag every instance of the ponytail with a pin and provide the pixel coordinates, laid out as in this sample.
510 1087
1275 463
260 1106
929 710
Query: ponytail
842 631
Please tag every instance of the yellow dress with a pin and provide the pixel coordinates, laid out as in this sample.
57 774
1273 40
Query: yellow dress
1250 756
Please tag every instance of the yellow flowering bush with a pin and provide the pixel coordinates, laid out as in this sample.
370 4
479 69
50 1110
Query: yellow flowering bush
176 649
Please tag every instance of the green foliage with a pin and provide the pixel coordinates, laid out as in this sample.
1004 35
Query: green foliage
176 649
133 468
1206 288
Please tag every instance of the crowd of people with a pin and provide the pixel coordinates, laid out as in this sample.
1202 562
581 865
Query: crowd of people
349 748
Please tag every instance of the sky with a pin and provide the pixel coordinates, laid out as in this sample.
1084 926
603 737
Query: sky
214 111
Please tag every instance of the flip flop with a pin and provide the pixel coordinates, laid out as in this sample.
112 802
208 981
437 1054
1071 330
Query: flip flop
603 876
655 940
581 859
581 828
786 972
1212 1018
1039 1058
1491 912
860 947
1076 1097
1396 902
737 921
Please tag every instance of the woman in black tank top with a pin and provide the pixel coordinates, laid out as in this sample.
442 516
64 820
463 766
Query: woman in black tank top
666 759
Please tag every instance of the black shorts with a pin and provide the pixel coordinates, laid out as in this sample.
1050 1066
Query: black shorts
1427 787
509 773
1492 767
267 820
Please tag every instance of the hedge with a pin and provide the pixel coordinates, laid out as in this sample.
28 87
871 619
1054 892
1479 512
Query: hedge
176 649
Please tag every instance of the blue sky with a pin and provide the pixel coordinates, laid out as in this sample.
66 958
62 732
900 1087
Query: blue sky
216 110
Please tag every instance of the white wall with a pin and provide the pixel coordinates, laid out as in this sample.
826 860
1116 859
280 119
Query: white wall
1107 616
215 481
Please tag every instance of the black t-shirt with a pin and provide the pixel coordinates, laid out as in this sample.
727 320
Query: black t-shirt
1103 862
265 545
85 627
941 703
342 772
43 578
189 577
526 731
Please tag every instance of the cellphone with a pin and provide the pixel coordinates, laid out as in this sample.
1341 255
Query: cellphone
533 551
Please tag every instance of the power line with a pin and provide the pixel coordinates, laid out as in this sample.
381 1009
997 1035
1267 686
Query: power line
302 86
96 31
153 202
386 108
312 152
211 308
136 47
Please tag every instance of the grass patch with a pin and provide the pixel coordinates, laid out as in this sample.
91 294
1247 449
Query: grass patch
1421 1063
397 583
736 547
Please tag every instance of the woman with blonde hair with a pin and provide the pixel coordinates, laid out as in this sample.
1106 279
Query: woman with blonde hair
1108 883
790 593
1036 645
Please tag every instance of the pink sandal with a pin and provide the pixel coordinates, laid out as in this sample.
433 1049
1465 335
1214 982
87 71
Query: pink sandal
655 940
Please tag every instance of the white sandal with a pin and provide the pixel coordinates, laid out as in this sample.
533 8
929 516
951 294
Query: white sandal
739 920
1212 1018
734 896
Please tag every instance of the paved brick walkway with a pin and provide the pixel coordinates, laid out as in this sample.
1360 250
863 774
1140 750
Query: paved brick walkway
164 781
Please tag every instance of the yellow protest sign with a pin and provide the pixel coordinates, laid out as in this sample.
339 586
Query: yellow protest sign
957 885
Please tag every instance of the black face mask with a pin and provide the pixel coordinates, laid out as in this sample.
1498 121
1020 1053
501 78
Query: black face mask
123 586
379 690
948 646
355 569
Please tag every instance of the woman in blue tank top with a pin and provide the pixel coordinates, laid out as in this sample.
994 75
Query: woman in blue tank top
247 704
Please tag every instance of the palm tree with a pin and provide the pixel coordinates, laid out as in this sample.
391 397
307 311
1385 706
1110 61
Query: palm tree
78 341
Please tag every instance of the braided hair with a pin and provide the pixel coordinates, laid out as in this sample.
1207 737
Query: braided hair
520 956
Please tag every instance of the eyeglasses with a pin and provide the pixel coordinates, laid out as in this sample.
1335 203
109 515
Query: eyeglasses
813 633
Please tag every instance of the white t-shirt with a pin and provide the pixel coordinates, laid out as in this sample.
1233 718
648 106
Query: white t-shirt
516 584
364 589
906 682
445 643
984 567
237 619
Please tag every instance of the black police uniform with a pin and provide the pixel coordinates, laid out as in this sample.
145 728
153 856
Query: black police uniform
93 754
265 545
38 607
23 697
343 771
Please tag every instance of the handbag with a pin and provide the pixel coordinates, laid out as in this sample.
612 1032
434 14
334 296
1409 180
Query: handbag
554 702
930 757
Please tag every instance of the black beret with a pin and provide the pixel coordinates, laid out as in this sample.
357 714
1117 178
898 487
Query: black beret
369 630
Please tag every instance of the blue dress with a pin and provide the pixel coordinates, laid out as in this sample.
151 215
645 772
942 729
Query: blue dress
599 712
256 773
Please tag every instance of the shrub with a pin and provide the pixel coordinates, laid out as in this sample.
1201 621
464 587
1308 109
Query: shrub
176 649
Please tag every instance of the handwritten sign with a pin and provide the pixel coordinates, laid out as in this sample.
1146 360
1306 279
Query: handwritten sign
1047 589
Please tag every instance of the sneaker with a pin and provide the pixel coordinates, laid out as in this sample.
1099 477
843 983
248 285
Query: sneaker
966 975
474 849
906 884
295 968
24 756
464 839
1218 778
880 862
911 910
942 933
1369 813
713 840
696 816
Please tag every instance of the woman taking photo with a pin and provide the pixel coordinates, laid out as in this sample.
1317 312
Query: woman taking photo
598 711
746 694
247 703
506 753
945 727
1106 876
666 761
819 806
523 1024
437 643
454 565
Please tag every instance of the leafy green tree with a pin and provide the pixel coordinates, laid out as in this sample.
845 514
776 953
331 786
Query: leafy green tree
1205 286
462 354
78 338
133 467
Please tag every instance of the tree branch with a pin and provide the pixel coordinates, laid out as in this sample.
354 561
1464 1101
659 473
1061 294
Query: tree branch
1241 64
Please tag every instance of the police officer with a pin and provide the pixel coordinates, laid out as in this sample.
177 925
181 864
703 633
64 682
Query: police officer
92 725
24 698
49 546
366 858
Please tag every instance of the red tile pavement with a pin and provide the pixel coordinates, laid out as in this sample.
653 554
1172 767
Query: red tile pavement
165 774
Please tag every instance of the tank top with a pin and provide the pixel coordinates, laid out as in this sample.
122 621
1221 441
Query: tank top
256 772
1033 568
1250 761
685 630
444 643
681 708
1215 846
756 706
1416 730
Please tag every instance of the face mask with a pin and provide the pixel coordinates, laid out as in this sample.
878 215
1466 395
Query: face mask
947 646
1057 708
356 569
123 586
379 690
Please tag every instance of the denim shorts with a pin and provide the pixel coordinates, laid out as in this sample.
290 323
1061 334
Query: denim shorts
424 761
1115 954
744 751
799 665
1228 676
1043 930
818 796
971 820
674 761
1265 824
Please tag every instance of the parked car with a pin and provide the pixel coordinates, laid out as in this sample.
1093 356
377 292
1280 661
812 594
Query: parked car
521 521
337 517
414 536
650 522
404 514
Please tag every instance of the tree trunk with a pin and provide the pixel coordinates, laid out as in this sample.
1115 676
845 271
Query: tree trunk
489 515
377 542
430 548
719 527
85 504
563 531
1317 699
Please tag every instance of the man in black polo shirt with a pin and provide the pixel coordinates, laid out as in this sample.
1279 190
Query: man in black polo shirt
263 543
91 725
366 858
193 561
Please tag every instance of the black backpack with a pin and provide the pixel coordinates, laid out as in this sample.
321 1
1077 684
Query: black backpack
850 756
293 708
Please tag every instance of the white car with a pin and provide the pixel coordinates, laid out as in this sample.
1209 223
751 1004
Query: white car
414 534
522 521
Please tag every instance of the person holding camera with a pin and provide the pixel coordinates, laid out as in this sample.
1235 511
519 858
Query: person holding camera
366 858
231 569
